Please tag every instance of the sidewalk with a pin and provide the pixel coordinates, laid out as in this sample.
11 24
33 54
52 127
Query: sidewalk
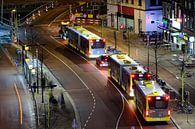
168 68
56 109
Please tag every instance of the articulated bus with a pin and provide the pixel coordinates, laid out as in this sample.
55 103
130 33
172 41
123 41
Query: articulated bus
86 42
131 74
123 69
151 101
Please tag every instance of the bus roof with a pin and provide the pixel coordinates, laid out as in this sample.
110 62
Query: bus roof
84 32
123 59
150 88
134 69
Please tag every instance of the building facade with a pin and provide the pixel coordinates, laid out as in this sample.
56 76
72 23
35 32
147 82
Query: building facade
138 15
189 24
178 25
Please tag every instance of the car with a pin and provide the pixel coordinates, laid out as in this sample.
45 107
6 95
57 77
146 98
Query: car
110 50
102 61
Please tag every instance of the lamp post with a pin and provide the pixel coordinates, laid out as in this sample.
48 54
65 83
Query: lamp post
14 25
148 44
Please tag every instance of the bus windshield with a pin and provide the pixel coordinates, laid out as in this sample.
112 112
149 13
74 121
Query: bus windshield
158 104
98 44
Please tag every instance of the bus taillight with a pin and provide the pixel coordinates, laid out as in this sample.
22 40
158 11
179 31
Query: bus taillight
148 75
149 98
133 76
169 112
91 41
147 113
102 62
167 98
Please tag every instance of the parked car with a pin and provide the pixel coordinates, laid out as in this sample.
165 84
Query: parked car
102 61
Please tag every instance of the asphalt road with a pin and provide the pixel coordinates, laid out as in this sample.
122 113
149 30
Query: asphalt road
98 101
15 103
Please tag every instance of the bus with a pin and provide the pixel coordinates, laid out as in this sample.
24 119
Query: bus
151 101
86 42
123 69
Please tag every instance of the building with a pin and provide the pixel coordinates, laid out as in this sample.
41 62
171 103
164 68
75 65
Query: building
189 24
172 24
178 25
138 15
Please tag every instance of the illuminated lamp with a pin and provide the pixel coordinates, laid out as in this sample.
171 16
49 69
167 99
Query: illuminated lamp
191 39
148 75
149 98
90 41
26 48
169 112
179 20
102 62
167 98
147 113
104 40
133 75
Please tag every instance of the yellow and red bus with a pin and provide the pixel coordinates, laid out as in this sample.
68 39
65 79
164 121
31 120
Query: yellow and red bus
151 101
88 43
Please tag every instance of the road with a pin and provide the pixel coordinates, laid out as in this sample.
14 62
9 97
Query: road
16 106
100 104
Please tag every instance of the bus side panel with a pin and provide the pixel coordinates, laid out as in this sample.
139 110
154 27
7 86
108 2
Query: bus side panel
114 70
140 102
73 39
124 82
84 46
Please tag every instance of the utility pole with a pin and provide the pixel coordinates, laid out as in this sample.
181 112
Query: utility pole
128 40
182 79
148 44
156 58
115 40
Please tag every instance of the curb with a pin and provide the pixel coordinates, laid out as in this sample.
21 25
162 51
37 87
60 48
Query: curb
174 122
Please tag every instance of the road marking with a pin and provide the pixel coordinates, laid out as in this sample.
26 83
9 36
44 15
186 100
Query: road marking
122 96
90 91
20 103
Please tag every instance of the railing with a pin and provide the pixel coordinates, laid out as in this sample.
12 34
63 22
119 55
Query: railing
22 21
29 17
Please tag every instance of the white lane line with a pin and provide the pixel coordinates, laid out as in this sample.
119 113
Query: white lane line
105 77
20 103
93 109
119 118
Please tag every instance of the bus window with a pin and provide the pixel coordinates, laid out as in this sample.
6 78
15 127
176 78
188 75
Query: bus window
157 104
98 44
